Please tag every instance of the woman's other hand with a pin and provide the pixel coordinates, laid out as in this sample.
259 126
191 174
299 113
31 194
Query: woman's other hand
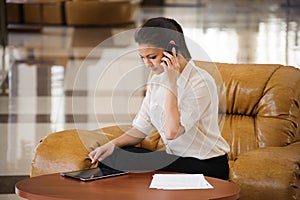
102 152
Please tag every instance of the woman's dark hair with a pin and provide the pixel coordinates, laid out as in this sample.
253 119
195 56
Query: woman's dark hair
159 32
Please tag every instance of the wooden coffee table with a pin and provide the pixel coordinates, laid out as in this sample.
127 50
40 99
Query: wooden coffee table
133 186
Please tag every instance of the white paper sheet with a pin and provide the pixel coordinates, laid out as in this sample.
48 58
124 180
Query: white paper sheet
179 181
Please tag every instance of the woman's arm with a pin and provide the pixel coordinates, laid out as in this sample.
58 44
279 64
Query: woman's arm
131 137
173 127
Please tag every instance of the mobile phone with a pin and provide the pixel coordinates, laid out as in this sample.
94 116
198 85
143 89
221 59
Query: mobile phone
170 47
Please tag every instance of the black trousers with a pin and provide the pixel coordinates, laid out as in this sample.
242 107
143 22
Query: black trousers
134 158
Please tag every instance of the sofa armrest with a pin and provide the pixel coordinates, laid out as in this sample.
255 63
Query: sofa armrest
66 151
268 173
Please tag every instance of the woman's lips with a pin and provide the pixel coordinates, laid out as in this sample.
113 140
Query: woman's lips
154 68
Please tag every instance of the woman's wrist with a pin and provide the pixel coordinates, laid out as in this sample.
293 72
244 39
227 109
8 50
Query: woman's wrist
114 143
170 86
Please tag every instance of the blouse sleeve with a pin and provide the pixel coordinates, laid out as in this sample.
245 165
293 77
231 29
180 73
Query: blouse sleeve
142 120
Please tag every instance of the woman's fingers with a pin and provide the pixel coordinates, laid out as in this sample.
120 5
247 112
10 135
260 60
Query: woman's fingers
170 61
102 152
168 55
92 156
96 154
103 156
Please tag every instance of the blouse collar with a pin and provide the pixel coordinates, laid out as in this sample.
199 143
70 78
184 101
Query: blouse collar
185 74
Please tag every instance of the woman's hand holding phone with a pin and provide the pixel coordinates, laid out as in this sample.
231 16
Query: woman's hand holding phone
171 64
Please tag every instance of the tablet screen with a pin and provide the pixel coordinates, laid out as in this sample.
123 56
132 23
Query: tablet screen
93 174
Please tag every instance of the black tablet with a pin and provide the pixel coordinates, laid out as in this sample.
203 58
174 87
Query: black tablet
93 173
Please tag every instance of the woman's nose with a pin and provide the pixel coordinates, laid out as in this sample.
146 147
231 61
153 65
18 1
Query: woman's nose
147 61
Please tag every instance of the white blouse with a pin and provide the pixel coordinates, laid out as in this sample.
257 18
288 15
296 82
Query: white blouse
198 107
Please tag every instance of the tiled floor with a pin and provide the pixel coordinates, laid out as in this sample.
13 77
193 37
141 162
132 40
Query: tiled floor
86 78
10 197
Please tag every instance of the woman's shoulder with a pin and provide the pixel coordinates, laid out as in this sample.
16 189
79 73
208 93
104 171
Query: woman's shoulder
199 74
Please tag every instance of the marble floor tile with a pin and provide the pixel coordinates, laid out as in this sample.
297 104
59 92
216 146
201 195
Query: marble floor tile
10 197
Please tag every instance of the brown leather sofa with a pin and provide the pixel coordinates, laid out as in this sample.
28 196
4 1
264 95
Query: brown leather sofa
77 12
31 13
261 126
95 12
51 13
12 13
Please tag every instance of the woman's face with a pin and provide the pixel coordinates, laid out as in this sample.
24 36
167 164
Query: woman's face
152 57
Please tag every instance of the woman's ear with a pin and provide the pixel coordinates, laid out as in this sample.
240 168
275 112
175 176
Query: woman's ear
172 42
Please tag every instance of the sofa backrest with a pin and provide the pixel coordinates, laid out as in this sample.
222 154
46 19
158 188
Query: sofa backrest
262 104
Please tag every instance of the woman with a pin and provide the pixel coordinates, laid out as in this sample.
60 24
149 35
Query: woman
181 103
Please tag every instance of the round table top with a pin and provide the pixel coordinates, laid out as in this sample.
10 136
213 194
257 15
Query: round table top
132 186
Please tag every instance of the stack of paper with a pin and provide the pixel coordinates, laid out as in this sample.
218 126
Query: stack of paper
179 181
